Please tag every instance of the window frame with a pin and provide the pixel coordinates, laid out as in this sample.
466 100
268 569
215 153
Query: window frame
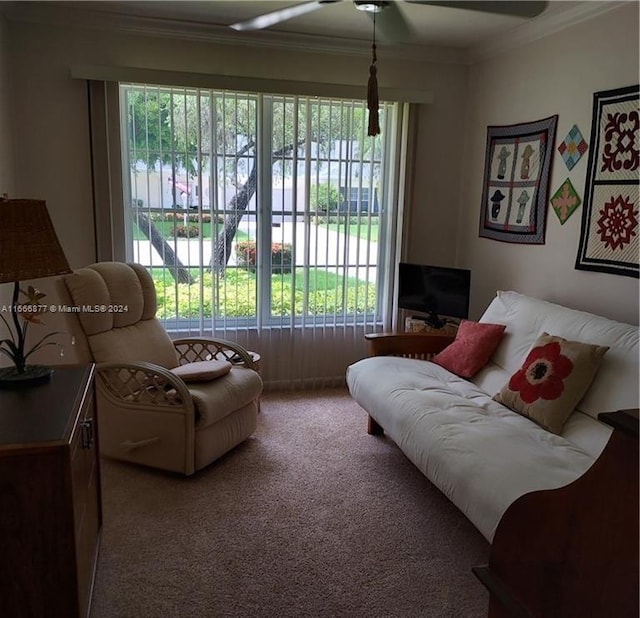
388 242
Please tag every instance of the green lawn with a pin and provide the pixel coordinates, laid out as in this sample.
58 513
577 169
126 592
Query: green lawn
362 230
237 291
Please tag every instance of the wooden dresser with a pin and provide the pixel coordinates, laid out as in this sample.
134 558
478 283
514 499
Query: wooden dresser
50 497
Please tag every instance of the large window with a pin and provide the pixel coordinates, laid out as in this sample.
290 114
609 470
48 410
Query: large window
255 209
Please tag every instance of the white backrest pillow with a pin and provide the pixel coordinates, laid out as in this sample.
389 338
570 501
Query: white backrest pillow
616 384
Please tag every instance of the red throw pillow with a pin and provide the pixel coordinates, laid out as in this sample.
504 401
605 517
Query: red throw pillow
472 348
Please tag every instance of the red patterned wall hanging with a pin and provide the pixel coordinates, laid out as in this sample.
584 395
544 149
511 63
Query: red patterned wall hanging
610 236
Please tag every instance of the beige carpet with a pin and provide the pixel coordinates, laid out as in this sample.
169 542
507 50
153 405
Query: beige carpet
311 517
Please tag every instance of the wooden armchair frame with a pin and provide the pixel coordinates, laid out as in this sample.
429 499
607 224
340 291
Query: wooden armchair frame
193 349
145 390
146 384
422 346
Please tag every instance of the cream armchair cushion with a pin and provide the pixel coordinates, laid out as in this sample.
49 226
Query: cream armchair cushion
122 323
146 413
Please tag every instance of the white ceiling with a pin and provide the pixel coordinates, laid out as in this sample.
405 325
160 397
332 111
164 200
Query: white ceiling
431 26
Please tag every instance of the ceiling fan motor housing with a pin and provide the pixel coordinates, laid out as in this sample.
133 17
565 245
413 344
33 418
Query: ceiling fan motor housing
371 6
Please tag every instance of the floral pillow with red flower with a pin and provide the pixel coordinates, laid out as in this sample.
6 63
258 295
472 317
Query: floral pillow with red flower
552 380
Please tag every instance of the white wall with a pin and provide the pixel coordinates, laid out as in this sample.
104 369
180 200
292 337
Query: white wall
557 74
6 147
554 75
52 124
53 151
433 218
6 144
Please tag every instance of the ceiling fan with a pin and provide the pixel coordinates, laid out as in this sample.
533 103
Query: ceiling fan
392 24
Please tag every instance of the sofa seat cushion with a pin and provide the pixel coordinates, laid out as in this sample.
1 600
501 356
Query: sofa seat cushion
218 398
479 453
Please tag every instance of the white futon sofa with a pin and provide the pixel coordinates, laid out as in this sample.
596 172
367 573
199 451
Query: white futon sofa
479 453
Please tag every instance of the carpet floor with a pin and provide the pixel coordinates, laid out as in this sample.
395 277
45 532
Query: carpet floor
310 517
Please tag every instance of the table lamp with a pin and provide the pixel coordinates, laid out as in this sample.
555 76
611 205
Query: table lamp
29 249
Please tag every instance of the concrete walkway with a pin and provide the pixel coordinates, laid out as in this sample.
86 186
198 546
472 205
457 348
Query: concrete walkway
326 248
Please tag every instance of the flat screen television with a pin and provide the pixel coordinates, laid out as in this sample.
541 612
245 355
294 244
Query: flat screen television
434 290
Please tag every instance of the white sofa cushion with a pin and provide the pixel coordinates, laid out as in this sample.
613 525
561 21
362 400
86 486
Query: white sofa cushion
480 454
615 385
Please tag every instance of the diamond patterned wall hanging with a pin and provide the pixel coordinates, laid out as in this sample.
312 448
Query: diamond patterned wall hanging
572 147
565 200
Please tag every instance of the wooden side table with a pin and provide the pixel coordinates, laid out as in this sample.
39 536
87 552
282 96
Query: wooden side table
50 496
255 357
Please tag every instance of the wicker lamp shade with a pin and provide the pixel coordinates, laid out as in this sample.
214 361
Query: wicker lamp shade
29 247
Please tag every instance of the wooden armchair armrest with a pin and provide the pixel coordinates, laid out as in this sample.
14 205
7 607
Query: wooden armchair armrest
411 345
193 349
139 383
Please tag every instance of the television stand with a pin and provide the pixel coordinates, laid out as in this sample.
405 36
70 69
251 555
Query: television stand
419 324
435 321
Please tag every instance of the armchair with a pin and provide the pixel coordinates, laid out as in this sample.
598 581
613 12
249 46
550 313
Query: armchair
146 413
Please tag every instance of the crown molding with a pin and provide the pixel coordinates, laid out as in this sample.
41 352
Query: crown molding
542 27
64 17
48 14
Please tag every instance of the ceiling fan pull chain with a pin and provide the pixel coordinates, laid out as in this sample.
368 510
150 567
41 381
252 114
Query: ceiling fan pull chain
372 89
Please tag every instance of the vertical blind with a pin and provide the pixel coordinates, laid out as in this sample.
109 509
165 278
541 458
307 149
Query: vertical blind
267 219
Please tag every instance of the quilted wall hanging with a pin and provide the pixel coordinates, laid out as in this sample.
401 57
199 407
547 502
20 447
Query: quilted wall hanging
515 192
572 147
565 200
609 235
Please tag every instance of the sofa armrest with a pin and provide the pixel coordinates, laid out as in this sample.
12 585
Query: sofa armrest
411 345
192 349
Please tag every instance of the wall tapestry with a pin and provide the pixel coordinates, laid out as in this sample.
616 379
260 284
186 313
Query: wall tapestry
572 147
516 181
609 236
565 200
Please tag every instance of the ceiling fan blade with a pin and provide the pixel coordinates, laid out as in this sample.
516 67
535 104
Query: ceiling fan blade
391 25
522 8
276 17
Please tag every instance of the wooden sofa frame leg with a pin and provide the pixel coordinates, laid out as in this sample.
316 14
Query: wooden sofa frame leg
373 428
